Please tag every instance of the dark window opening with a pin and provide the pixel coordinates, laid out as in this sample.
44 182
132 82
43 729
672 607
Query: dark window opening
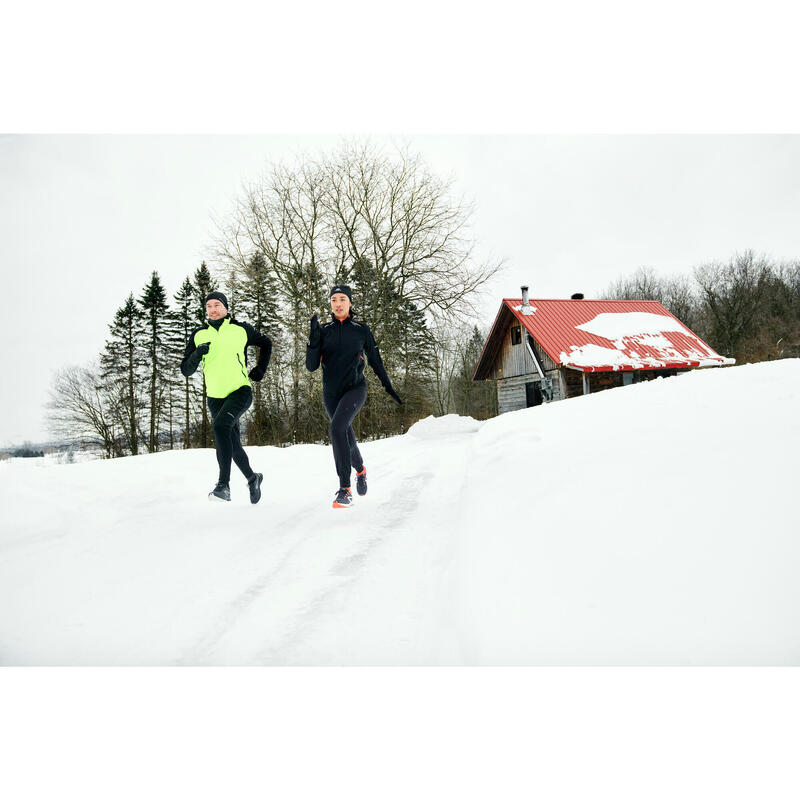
533 394
516 335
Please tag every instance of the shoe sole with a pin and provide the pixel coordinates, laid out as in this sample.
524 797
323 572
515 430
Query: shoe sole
213 498
339 505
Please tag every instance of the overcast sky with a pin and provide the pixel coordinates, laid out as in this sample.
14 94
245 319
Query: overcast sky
84 220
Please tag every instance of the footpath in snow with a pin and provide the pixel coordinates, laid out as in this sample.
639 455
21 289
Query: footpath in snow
651 524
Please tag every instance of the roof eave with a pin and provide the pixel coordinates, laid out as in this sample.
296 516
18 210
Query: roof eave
647 367
480 367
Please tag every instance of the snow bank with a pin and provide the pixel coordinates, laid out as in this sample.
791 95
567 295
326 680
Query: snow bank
448 425
650 524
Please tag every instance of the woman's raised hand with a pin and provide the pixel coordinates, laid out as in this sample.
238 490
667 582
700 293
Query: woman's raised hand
315 334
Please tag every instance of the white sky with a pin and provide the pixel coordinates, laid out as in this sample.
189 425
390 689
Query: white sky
85 219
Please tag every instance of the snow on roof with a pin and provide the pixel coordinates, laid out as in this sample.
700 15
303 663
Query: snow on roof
599 335
631 323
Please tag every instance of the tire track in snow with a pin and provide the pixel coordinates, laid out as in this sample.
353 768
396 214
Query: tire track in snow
313 612
236 608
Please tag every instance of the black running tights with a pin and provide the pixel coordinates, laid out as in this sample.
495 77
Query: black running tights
341 413
225 412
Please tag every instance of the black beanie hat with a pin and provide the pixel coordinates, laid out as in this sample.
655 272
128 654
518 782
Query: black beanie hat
342 288
217 296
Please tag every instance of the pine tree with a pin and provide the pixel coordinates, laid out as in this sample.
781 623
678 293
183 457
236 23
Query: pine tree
203 284
312 421
406 345
183 320
305 298
412 356
258 304
154 304
473 399
122 365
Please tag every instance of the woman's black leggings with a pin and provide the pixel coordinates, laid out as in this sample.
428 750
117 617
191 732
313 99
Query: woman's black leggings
341 413
225 412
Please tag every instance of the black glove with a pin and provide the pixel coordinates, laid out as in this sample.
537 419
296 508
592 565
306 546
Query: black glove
193 361
315 334
393 394
256 374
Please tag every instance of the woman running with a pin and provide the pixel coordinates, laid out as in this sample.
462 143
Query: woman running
341 345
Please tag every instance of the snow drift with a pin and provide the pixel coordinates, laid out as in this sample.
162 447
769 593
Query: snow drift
650 524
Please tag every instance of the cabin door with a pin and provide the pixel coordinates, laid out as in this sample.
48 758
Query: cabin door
533 394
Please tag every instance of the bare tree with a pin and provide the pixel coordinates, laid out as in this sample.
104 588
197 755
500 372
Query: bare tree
643 284
747 307
325 215
449 340
80 411
404 219
776 332
679 297
732 296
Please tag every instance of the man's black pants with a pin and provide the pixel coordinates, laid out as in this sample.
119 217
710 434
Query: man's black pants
225 413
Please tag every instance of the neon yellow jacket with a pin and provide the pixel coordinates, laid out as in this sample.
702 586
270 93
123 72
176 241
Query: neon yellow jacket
225 364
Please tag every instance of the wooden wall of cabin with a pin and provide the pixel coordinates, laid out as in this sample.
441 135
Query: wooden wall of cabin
609 380
512 392
598 381
514 359
573 382
514 369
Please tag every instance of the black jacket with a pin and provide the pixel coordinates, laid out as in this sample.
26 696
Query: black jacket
191 357
341 351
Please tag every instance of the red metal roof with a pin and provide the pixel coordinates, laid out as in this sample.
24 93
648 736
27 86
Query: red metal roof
616 335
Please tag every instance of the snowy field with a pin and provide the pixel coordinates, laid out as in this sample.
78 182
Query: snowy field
651 524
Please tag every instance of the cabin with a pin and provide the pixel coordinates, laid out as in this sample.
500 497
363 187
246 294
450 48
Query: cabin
539 351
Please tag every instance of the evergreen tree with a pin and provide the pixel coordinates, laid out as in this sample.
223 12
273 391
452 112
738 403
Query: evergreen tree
312 422
203 284
305 297
406 345
476 399
183 320
410 360
258 304
154 304
122 366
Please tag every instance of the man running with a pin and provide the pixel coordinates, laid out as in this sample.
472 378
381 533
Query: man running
221 344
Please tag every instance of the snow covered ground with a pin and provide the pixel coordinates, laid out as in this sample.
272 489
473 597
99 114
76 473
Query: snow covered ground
651 524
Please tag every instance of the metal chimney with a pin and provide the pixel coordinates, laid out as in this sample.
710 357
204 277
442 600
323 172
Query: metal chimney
526 308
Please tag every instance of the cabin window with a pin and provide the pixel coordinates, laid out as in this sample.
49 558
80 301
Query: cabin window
516 335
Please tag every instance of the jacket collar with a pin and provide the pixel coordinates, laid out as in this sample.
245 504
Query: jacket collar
210 323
